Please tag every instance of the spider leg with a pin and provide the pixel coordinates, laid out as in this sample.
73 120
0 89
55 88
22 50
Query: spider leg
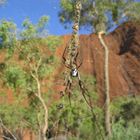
76 62
61 93
80 62
85 93
75 57
79 65
63 55
64 52
68 90
64 58
68 66
68 83
69 96
67 86
64 62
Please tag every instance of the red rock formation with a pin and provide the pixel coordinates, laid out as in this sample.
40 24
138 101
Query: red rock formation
124 59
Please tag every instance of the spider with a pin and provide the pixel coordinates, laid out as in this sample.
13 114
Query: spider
73 63
72 60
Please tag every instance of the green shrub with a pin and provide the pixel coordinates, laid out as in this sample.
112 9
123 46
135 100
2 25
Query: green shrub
15 77
126 118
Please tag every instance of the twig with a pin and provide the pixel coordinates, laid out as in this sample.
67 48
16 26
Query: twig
7 129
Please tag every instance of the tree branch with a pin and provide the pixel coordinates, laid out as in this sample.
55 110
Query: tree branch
1 123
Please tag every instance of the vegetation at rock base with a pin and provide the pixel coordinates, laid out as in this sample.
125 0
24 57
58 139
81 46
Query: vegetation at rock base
125 118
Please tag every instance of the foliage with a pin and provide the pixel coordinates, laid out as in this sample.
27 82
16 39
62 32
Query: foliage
52 42
15 77
32 31
12 122
7 34
100 14
3 97
129 132
127 108
125 118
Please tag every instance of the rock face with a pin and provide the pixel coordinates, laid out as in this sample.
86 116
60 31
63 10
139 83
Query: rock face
124 59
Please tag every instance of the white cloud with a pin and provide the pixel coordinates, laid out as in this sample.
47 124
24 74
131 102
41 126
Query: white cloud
2 1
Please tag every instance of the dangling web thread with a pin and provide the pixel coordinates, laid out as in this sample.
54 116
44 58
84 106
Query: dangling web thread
71 61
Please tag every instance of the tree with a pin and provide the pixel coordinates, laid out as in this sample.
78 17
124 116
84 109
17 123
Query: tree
101 16
39 66
34 59
31 62
32 31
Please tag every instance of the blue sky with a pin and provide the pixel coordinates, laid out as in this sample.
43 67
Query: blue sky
18 10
